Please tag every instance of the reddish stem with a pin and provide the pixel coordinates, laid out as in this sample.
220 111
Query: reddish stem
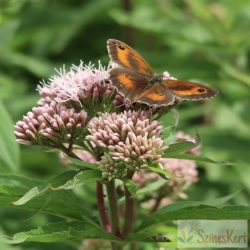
129 210
101 206
113 208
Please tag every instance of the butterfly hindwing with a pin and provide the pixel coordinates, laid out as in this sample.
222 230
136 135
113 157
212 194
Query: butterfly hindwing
128 82
156 95
189 90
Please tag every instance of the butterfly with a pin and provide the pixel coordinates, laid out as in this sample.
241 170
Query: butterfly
134 78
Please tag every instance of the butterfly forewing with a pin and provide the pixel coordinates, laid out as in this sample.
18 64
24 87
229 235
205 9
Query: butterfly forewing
123 55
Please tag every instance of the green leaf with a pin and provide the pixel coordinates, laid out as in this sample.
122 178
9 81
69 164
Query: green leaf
31 194
15 185
43 188
61 203
147 189
4 245
158 233
9 149
67 180
88 175
196 158
131 186
80 178
162 172
196 210
179 147
182 146
61 231
83 164
151 187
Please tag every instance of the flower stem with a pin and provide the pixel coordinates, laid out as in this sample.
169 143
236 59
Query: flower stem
101 206
129 211
114 213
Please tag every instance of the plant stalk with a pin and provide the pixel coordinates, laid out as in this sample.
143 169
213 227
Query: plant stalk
101 206
114 213
112 200
129 211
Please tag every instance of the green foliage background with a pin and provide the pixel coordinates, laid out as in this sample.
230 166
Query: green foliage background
206 41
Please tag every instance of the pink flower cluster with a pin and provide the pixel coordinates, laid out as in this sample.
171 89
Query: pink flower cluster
185 172
131 137
67 103
50 125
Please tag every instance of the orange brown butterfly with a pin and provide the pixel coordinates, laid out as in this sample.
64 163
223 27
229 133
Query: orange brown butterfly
134 78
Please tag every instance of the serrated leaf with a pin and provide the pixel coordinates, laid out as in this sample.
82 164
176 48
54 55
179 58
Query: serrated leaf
197 210
80 178
4 245
88 175
162 172
62 178
67 180
196 158
83 164
166 234
34 192
31 194
61 231
14 184
61 203
182 146
9 149
151 187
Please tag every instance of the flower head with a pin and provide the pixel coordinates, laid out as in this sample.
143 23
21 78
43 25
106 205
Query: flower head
51 125
82 86
131 137
185 171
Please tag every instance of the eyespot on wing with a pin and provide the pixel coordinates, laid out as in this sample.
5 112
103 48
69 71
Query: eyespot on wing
189 90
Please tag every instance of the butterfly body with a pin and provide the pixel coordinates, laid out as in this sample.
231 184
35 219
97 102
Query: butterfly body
134 78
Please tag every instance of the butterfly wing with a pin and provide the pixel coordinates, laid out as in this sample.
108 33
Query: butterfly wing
189 90
128 82
157 95
123 55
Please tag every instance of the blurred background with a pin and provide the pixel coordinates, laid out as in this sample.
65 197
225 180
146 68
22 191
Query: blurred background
204 41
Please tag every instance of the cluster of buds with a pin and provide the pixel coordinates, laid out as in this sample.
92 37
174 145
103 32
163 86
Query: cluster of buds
51 125
132 138
185 172
83 86
67 103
